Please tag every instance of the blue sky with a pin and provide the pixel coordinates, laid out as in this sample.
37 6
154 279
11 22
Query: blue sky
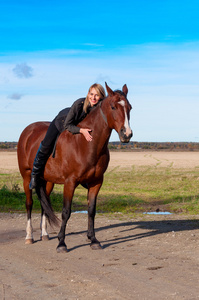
52 51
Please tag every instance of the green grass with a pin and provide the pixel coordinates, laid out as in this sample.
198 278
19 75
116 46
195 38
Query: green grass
132 190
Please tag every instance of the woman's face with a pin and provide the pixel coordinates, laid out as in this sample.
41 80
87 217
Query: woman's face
93 97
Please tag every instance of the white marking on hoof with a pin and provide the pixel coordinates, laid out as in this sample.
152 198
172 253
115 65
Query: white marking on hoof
29 231
43 227
29 241
45 238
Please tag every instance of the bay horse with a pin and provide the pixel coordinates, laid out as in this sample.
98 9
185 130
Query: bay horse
76 162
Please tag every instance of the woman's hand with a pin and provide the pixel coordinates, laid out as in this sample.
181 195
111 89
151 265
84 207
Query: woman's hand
86 134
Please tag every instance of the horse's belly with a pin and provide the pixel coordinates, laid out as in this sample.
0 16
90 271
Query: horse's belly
96 172
58 173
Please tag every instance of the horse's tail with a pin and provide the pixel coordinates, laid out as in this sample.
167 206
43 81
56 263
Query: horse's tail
46 205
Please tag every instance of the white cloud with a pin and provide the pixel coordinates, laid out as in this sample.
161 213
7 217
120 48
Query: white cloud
23 71
15 96
93 45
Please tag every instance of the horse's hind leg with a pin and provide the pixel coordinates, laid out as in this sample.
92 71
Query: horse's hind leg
43 226
29 202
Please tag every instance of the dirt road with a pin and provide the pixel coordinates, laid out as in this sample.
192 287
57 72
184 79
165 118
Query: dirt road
147 257
143 257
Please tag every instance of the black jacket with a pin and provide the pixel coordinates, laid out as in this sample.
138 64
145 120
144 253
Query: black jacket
69 117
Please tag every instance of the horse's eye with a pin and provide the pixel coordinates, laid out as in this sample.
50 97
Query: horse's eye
113 107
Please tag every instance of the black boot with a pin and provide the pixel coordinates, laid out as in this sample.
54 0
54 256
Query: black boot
41 158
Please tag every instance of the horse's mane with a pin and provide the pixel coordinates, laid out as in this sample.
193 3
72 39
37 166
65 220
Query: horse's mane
120 92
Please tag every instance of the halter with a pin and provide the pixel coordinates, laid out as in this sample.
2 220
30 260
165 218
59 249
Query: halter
103 115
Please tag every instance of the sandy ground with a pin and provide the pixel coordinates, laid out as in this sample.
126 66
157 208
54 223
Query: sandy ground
143 257
8 160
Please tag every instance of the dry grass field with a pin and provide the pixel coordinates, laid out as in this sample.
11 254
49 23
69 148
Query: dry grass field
8 160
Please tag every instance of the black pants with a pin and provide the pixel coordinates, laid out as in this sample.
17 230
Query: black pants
51 136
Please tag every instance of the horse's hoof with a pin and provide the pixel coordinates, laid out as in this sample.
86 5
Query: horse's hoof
62 249
29 241
45 238
96 246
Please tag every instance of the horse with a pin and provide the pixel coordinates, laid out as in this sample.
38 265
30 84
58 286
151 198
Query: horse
76 162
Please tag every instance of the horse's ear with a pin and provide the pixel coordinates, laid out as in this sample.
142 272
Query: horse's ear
109 91
125 89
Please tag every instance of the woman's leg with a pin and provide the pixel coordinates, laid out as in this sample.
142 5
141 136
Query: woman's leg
43 153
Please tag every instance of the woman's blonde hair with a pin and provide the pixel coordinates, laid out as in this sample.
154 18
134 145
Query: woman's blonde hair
100 91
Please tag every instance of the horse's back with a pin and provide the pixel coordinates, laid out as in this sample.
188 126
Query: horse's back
28 144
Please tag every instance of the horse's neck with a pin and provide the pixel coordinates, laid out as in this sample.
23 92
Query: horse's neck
101 130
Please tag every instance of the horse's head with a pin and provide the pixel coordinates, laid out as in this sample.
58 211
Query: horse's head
119 113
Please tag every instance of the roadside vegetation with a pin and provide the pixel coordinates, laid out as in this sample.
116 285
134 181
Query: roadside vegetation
136 189
131 146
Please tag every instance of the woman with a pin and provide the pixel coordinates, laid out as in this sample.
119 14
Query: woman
67 119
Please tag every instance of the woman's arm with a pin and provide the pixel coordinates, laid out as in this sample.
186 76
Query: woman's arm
76 115
73 117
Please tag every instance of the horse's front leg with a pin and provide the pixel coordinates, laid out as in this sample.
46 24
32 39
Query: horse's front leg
92 198
69 188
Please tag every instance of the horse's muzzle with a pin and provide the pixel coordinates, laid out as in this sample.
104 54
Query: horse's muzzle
124 136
